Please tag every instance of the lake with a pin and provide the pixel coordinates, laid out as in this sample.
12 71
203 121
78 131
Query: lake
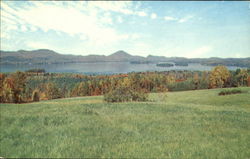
105 67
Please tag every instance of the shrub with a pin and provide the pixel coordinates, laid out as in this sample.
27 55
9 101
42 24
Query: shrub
234 91
125 94
222 93
227 92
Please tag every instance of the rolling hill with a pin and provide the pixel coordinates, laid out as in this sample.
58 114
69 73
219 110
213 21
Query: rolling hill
189 124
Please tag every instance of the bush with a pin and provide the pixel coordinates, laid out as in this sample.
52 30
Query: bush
227 92
125 94
222 93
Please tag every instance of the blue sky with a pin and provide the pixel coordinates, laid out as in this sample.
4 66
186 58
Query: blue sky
164 28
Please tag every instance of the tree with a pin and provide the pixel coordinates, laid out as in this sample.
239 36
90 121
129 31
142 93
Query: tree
242 76
196 80
219 76
51 91
2 78
13 87
204 81
35 96
19 86
248 81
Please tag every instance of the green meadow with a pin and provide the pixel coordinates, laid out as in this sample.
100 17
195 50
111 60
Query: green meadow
188 124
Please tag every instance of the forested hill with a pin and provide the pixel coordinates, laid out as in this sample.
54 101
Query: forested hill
49 56
45 56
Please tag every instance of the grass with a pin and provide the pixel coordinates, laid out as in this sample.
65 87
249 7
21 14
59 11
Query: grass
188 124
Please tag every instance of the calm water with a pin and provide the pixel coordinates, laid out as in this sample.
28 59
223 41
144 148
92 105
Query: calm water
104 67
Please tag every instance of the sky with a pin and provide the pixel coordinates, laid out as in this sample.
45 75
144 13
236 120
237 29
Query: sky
163 28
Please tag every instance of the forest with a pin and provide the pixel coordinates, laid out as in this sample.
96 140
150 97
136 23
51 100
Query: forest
35 85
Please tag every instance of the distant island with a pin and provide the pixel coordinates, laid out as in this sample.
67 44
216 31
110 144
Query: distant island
141 62
165 65
45 56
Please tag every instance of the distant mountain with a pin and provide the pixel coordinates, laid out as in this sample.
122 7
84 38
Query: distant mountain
120 56
156 58
123 56
45 56
35 57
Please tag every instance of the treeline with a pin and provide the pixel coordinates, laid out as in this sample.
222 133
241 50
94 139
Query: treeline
38 85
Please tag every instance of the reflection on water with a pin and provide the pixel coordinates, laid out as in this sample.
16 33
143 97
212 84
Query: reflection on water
105 67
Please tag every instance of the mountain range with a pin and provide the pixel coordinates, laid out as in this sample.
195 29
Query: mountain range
45 56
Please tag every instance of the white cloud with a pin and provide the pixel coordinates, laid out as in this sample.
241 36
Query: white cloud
88 24
115 6
179 20
199 52
131 36
135 36
185 19
168 18
119 19
23 28
142 13
106 19
4 35
33 28
7 9
237 55
34 45
88 20
38 45
153 16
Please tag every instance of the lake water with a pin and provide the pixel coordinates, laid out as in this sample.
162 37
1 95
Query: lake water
105 67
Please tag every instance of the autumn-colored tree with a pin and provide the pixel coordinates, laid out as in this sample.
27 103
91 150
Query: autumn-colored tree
248 81
171 79
35 96
78 90
51 91
8 86
97 91
242 77
2 78
196 80
14 87
64 93
218 77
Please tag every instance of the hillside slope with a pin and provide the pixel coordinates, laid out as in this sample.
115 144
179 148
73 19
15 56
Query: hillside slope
190 124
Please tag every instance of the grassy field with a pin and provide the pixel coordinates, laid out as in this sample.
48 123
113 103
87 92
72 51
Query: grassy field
190 124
